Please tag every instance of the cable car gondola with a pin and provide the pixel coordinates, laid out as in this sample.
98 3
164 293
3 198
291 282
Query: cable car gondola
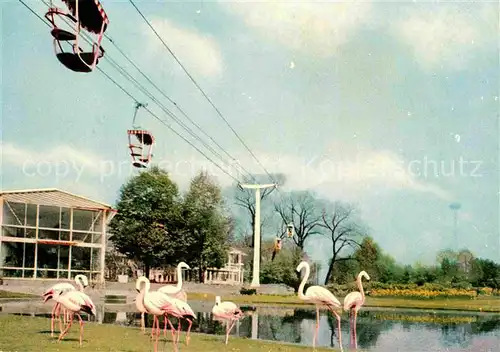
86 14
141 152
277 247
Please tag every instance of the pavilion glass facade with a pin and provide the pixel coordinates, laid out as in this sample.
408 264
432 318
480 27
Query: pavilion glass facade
51 242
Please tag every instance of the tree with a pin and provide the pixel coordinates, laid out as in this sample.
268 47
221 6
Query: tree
388 270
343 232
465 259
302 210
147 206
367 256
485 273
146 224
207 225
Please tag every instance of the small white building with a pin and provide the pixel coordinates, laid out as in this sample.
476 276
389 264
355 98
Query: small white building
52 234
231 274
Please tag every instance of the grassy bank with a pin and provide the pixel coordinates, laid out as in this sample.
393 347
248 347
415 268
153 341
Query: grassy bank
8 294
33 334
482 303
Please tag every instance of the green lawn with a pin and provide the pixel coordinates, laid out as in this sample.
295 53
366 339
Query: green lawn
8 294
483 303
20 333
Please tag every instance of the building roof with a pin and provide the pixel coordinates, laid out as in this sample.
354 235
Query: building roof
236 250
52 197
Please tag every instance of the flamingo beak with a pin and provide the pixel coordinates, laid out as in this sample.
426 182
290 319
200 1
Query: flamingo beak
46 298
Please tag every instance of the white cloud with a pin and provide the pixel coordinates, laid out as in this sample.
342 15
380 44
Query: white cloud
445 35
61 167
59 161
317 28
196 51
367 172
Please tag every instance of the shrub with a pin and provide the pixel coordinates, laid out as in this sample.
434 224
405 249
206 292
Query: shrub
486 291
248 291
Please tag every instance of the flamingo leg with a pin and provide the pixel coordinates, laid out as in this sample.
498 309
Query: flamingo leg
338 327
316 329
178 330
157 333
354 334
143 326
188 330
158 327
63 333
53 314
165 327
153 327
173 333
233 323
81 328
58 312
227 330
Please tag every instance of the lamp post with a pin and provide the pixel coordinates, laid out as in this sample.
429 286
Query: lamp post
455 207
256 231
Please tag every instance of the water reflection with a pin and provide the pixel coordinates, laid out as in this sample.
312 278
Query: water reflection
377 330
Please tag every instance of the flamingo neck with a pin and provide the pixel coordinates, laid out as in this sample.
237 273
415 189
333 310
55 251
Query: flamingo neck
360 286
142 292
78 280
303 283
179 278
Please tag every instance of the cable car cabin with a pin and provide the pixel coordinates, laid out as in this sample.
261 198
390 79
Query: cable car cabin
277 244
140 147
89 15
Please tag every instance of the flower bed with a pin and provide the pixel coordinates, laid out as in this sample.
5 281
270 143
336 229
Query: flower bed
426 291
422 293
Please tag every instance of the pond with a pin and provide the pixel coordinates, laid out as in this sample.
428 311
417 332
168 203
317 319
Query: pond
377 329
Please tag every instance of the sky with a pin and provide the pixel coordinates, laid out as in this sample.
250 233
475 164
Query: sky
391 106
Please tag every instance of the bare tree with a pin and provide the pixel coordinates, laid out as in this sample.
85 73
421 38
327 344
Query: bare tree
302 210
343 232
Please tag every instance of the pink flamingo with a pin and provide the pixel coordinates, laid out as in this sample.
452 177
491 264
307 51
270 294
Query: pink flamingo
175 291
158 304
352 304
182 311
319 296
139 303
75 302
226 311
58 289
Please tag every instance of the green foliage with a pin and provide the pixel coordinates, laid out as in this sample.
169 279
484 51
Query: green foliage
207 226
155 226
485 273
281 270
457 270
146 225
248 291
